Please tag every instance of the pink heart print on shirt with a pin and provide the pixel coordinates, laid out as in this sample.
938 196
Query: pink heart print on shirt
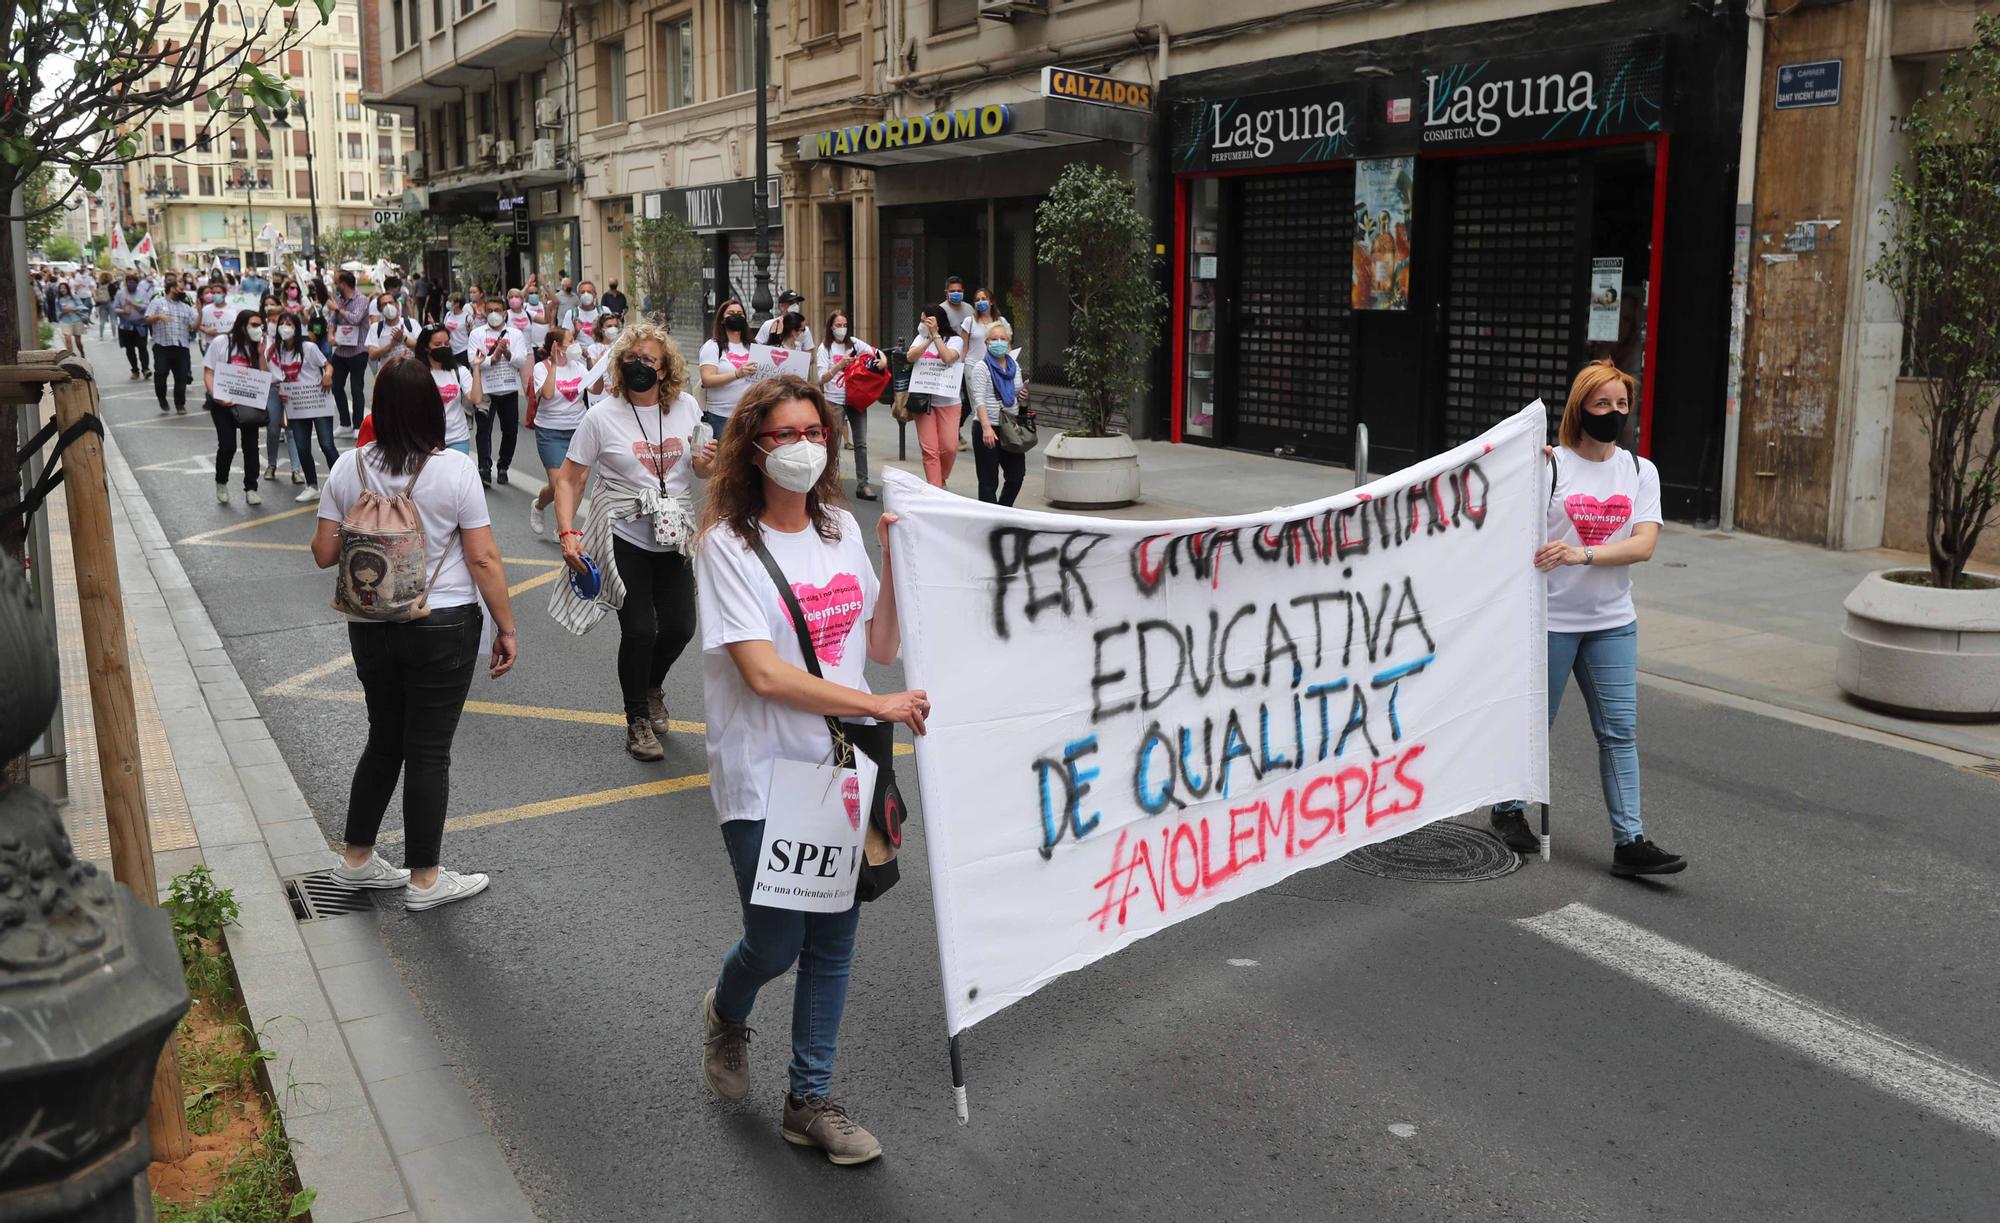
738 359
448 391
831 611
568 388
1597 521
850 796
586 328
658 458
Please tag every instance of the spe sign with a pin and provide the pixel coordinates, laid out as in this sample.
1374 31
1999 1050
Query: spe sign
388 216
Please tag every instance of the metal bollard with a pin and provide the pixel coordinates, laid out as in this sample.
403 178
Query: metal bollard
1360 455
90 982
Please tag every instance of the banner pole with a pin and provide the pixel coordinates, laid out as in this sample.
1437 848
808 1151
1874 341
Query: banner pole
1545 832
958 1080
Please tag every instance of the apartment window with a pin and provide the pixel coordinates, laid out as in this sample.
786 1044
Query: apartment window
191 11
201 104
416 14
739 51
159 137
263 147
610 82
674 82
396 21
264 179
181 178
236 145
382 120
454 118
302 184
437 15
482 111
357 185
385 150
350 66
346 25
206 176
510 113
825 18
354 146
351 106
295 63
389 186
300 144
953 14
466 6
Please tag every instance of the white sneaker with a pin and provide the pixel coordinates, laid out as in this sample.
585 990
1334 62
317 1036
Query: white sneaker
535 522
374 873
222 494
450 886
270 471
253 497
310 494
343 431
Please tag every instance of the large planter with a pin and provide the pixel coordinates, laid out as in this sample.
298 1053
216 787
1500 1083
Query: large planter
1090 472
1918 650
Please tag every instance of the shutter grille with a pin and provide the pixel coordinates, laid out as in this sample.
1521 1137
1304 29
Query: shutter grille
1295 347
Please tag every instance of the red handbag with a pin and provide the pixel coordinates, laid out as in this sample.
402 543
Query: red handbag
867 378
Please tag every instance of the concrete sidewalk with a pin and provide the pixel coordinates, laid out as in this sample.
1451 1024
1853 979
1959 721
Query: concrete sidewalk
379 1123
1756 618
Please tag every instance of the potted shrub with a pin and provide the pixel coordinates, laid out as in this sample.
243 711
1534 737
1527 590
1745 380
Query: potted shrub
1091 228
1928 641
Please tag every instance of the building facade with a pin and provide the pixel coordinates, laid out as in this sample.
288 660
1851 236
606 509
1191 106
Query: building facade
207 199
490 93
1830 449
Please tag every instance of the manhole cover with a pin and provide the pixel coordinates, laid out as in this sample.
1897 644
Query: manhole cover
321 895
1437 853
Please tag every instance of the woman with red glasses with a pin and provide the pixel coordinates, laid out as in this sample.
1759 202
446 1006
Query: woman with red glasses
775 484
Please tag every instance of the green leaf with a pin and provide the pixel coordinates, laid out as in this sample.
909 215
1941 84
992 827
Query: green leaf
90 179
302 1201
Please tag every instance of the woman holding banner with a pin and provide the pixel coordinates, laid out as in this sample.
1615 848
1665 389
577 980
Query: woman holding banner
774 505
305 382
1603 518
242 346
937 345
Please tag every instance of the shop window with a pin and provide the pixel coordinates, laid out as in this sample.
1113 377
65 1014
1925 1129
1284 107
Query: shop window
739 51
610 82
673 74
953 14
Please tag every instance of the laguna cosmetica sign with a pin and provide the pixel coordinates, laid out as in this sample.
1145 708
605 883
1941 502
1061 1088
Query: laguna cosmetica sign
943 127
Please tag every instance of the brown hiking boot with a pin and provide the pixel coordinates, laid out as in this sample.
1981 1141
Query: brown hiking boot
641 743
819 1122
725 1056
656 710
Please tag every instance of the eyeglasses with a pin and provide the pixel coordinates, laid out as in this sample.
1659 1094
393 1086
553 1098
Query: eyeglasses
648 362
785 437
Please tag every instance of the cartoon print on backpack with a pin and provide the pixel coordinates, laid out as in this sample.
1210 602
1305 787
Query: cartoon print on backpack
363 574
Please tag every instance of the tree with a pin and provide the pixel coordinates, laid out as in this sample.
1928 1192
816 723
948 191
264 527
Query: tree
79 82
476 248
402 242
62 249
1092 232
42 210
98 248
664 256
344 245
1941 259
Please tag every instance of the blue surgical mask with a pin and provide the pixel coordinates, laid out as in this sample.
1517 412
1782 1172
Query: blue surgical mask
534 299
982 306
997 347
954 297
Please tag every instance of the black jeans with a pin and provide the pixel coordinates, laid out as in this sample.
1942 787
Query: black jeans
172 359
133 341
303 432
505 409
656 622
991 462
415 677
226 433
350 372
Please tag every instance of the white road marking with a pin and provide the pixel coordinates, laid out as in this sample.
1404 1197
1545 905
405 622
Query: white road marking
1888 1063
1242 963
1403 1129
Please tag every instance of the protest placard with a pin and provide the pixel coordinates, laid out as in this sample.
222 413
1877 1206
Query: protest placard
242 384
1162 716
813 828
929 375
771 360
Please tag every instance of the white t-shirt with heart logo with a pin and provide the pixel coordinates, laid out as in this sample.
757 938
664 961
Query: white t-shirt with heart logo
721 400
563 408
641 446
836 588
1595 504
455 390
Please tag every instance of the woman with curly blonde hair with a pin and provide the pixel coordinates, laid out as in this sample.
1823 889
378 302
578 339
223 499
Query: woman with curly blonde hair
640 440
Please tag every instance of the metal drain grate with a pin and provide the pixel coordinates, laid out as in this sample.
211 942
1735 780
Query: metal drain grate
1437 853
320 895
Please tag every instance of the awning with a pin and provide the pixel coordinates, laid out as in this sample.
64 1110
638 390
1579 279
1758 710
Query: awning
976 131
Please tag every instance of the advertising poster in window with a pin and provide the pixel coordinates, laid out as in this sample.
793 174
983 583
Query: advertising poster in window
1383 188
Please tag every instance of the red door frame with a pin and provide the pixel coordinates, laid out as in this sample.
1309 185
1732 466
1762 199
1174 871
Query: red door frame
1656 258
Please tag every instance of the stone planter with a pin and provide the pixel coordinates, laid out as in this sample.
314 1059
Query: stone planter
1090 472
1913 649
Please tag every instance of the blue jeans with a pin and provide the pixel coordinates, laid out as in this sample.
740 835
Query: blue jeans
718 423
275 432
821 943
1606 664
304 432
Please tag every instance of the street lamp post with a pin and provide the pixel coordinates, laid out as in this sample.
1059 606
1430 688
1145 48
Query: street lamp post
280 122
760 297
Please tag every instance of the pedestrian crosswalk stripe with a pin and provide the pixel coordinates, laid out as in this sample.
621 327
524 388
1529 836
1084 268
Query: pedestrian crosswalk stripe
1888 1063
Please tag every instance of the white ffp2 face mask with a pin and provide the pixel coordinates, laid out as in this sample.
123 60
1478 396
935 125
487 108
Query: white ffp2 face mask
796 467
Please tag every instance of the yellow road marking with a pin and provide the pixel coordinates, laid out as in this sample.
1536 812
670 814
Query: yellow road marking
297 683
559 806
166 422
245 525
540 580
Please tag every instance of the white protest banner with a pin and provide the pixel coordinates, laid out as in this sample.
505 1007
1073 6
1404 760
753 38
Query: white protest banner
1162 716
813 827
303 399
931 376
244 385
771 360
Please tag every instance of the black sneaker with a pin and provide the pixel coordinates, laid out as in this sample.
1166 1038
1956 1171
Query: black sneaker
502 477
486 478
865 491
1641 857
1513 829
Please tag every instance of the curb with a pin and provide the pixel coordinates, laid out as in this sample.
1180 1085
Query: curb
382 1128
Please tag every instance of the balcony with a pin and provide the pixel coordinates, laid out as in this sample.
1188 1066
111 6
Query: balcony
505 36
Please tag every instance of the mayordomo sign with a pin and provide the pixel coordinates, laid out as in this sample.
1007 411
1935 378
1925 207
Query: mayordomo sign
943 127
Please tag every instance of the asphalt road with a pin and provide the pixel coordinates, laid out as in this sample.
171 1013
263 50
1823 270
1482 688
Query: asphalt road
1338 1046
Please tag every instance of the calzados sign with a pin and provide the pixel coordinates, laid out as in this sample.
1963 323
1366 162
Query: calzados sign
1164 716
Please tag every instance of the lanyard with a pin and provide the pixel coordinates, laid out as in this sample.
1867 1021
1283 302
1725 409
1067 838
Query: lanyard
659 469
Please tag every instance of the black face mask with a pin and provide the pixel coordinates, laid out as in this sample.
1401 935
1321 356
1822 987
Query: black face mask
736 323
441 356
1605 428
638 375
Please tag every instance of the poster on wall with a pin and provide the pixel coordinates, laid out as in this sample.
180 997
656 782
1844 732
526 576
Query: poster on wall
1607 288
1383 189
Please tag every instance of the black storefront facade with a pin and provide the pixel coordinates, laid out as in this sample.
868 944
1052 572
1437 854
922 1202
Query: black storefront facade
1423 234
724 215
